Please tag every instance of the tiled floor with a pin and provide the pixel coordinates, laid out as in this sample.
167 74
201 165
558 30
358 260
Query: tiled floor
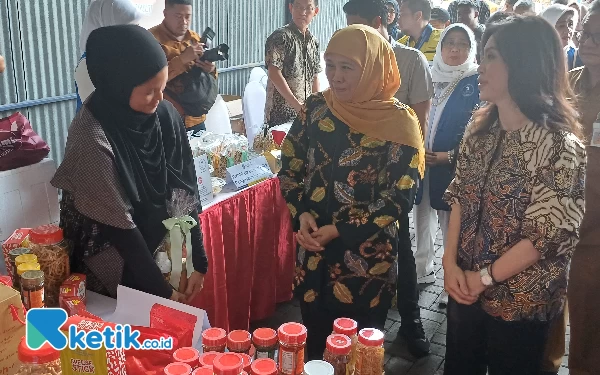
398 360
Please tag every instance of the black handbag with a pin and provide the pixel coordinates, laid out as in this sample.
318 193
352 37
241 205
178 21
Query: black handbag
195 91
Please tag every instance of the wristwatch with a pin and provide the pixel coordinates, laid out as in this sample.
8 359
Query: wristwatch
486 278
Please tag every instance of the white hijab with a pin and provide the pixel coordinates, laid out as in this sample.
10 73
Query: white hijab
103 13
442 72
553 13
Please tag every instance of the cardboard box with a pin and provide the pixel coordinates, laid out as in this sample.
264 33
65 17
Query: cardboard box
73 306
236 113
11 330
19 238
73 287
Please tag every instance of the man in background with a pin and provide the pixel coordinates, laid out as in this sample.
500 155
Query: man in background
184 50
416 90
509 6
483 8
293 62
468 13
414 22
440 18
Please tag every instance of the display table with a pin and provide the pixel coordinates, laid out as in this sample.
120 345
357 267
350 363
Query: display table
250 246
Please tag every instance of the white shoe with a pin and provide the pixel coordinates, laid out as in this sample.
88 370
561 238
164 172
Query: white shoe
443 301
428 279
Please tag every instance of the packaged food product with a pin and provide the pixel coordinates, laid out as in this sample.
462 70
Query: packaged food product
73 306
247 362
369 352
32 289
74 286
12 255
207 359
348 327
337 353
264 366
44 361
187 355
318 368
239 341
19 238
178 369
25 258
203 371
228 364
292 343
214 340
265 343
24 267
53 251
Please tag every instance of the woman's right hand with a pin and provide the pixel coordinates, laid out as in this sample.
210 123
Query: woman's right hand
178 297
455 283
308 225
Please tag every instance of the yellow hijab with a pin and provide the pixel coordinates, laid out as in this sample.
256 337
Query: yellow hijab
373 109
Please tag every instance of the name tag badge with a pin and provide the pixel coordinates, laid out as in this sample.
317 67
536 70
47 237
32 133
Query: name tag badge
596 135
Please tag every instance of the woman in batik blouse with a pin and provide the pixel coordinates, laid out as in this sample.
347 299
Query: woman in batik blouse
350 166
517 202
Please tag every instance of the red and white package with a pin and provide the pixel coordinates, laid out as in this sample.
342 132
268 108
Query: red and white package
180 323
19 238
73 287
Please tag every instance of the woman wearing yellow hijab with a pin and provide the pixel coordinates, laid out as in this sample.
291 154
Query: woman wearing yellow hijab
350 165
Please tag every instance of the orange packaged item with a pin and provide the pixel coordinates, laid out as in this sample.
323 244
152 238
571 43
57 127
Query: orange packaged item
239 341
348 327
369 352
207 359
19 238
203 371
228 364
178 369
73 306
73 287
32 289
337 353
179 323
265 343
187 355
214 340
292 342
264 366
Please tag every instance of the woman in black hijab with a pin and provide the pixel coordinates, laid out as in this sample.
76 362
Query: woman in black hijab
127 150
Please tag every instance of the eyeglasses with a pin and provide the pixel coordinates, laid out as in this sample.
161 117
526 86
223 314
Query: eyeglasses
462 46
300 8
584 36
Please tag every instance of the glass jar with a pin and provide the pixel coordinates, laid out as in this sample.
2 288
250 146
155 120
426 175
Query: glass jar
45 360
12 258
265 343
187 355
264 366
203 371
247 362
32 289
369 352
292 343
337 353
348 327
214 340
207 359
239 341
178 368
228 364
318 368
48 244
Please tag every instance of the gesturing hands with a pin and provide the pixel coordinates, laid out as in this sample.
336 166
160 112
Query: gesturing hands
463 286
313 238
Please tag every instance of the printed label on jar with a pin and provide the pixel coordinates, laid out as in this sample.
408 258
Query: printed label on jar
33 299
260 355
287 362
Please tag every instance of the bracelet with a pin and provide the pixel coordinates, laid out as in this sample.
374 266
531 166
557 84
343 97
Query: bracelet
491 273
450 157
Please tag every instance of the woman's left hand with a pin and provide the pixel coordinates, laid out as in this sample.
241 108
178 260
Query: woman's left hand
476 287
194 286
436 158
325 234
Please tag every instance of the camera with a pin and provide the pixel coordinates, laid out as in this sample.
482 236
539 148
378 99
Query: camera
219 53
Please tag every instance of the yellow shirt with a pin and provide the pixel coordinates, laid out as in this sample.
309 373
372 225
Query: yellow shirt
429 46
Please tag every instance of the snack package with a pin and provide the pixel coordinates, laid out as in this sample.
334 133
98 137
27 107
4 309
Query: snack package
179 323
73 306
19 238
73 287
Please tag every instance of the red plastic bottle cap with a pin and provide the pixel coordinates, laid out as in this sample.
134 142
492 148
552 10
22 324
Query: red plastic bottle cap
264 366
207 359
178 369
239 341
339 344
43 355
214 337
265 337
187 355
203 371
371 337
247 361
345 326
46 234
292 333
228 364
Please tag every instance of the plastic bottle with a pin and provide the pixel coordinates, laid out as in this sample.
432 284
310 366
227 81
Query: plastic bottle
265 343
348 327
337 353
264 366
292 343
369 352
228 364
214 340
207 359
239 341
178 368
190 356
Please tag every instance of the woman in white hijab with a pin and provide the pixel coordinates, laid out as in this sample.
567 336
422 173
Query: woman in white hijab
565 19
456 95
100 13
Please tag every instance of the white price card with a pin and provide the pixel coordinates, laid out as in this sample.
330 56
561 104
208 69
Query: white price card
249 173
596 134
204 180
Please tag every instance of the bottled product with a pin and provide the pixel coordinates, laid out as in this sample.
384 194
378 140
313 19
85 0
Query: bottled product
247 362
187 355
32 289
207 359
348 327
24 267
318 368
44 361
265 343
292 342
12 258
48 244
239 341
214 340
228 364
203 371
337 353
178 368
369 352
264 366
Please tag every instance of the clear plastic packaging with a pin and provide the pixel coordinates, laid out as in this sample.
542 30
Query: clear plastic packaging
265 343
369 352
44 361
239 341
292 343
337 353
348 327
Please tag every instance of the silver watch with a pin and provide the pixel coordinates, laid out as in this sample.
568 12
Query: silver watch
486 278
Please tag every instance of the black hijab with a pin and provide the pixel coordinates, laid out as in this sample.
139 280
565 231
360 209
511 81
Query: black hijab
152 154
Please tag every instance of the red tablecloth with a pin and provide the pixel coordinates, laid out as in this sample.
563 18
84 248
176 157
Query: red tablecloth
250 247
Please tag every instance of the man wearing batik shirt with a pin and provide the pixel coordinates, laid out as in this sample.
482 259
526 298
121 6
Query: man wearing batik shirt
292 59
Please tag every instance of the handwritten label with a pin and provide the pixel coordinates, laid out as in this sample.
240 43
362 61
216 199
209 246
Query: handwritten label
249 173
204 180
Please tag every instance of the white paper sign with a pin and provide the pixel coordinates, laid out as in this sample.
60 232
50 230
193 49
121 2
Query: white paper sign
249 173
204 180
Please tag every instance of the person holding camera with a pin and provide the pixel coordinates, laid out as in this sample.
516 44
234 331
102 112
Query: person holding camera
192 83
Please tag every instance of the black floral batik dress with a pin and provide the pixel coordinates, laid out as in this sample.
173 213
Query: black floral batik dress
361 185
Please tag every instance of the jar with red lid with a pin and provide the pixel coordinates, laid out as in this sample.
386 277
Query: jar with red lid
348 327
45 360
264 366
239 341
265 343
369 352
337 353
207 359
52 251
178 368
247 362
190 356
292 343
214 340
228 364
203 371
